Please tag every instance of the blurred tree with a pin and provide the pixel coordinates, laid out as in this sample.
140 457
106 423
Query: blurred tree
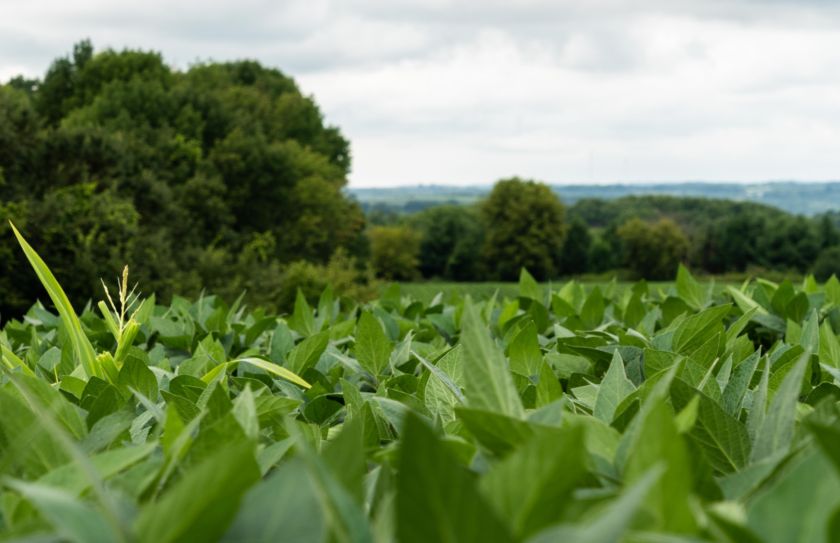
395 252
523 224
653 251
575 256
451 242
828 263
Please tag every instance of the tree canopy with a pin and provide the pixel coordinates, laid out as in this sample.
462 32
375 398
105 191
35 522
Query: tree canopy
524 228
116 157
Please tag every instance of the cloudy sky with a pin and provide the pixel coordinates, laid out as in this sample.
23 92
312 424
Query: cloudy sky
468 91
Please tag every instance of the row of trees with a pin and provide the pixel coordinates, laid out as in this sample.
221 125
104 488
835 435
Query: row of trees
523 224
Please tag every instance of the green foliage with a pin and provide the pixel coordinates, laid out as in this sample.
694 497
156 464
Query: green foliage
394 252
451 242
827 263
653 250
574 258
671 412
116 158
524 228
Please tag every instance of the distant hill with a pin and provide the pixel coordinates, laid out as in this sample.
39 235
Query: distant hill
794 197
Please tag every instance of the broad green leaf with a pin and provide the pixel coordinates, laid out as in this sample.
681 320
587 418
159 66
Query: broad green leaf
738 383
201 505
829 346
723 438
532 486
490 385
437 499
373 348
302 320
775 435
690 290
613 389
138 376
528 286
306 353
796 508
699 328
524 351
74 479
658 442
614 520
73 519
592 312
284 507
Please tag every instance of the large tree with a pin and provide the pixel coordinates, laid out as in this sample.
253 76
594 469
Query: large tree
175 172
524 228
451 242
653 251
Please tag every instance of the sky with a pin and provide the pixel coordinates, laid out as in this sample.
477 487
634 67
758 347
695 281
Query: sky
469 91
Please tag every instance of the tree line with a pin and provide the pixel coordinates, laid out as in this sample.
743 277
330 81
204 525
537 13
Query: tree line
522 223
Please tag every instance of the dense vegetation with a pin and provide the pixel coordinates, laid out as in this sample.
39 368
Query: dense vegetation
639 414
217 177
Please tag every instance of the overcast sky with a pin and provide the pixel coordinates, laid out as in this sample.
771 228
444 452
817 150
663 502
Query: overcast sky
465 92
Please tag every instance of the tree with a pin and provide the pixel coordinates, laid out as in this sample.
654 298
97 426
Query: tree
575 256
828 263
653 251
193 166
523 224
451 242
394 252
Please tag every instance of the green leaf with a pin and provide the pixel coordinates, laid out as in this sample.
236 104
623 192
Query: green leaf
74 520
614 520
700 328
524 351
528 286
490 383
284 507
829 345
306 354
690 290
797 507
723 438
810 338
532 486
775 435
373 348
592 312
302 320
74 479
201 505
81 345
437 499
137 375
739 381
657 441
612 390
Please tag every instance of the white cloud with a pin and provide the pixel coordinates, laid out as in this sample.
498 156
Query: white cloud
461 91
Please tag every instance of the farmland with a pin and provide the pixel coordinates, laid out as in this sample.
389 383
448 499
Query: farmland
682 413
